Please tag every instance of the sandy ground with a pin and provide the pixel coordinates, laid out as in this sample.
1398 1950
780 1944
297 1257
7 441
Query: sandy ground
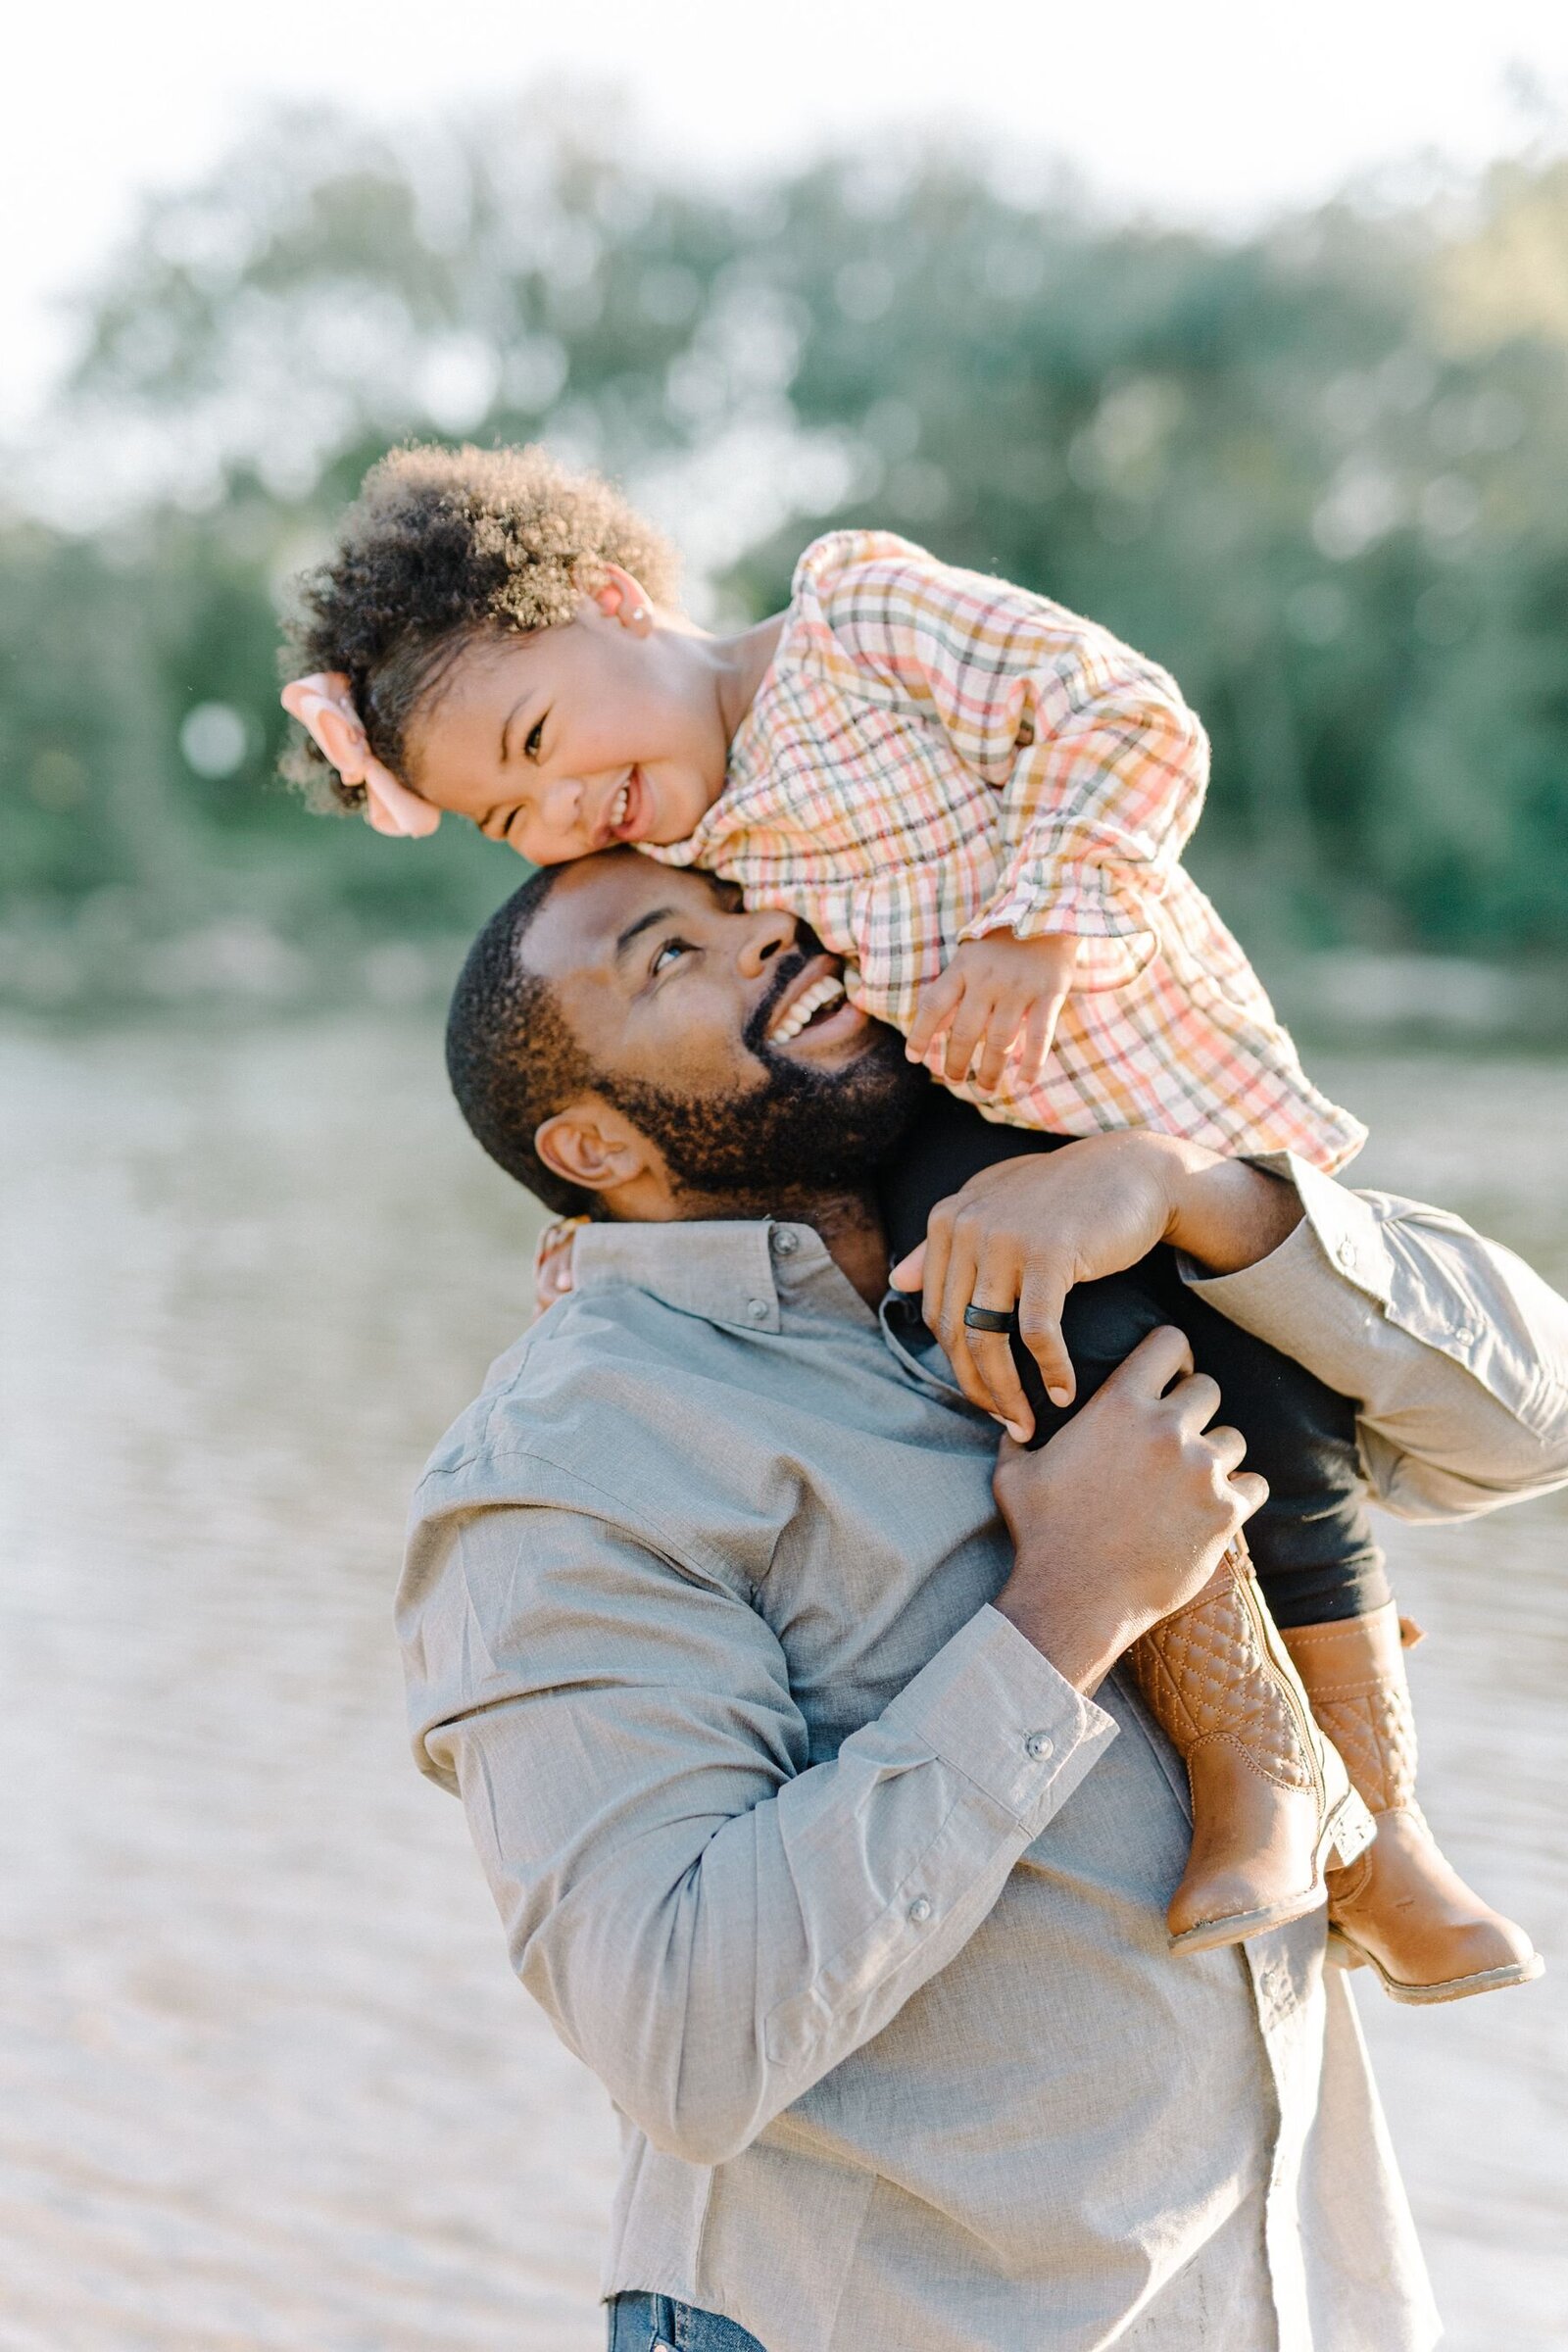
265 2080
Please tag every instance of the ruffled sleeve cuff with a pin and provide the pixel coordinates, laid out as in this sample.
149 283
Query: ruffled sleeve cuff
1040 898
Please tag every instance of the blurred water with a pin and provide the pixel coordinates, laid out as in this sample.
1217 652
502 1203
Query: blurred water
264 2078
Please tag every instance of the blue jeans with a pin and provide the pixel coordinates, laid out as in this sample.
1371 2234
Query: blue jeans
645 2322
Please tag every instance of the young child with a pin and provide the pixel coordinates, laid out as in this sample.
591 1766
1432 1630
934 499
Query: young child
979 801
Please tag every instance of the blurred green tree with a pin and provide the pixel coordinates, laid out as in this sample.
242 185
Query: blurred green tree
1320 471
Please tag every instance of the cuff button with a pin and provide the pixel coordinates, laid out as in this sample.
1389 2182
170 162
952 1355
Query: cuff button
1037 1748
920 1910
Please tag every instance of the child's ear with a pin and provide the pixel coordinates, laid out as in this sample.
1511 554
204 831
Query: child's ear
622 598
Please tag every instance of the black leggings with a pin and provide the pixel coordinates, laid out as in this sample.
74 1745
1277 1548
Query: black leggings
1310 1542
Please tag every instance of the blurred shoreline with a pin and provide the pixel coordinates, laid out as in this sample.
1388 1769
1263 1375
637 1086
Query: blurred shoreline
239 968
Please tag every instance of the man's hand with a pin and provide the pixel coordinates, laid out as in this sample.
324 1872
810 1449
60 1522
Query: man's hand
997 996
1125 1514
1020 1234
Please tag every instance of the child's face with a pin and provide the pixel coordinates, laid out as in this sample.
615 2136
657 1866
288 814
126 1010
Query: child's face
573 738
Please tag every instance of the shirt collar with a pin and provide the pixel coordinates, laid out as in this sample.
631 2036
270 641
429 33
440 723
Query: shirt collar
735 1271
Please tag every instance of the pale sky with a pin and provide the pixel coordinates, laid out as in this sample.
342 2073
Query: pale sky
1217 110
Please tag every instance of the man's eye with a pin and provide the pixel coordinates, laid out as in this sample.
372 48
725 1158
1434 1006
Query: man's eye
670 949
530 750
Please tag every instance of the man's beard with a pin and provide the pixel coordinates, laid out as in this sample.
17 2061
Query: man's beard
802 1132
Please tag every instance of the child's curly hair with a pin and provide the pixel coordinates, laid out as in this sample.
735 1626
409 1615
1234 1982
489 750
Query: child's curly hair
440 547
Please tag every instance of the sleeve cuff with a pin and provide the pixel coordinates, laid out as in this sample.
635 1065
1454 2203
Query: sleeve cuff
1317 1296
1338 1227
1040 898
997 1711
1362 1267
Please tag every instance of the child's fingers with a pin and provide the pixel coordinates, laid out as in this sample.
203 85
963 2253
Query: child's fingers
938 1000
551 1262
1039 1036
1007 1018
967 1027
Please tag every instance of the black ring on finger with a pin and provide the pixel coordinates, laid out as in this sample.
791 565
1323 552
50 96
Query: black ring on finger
987 1318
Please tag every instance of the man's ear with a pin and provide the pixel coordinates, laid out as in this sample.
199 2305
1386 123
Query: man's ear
593 1147
622 598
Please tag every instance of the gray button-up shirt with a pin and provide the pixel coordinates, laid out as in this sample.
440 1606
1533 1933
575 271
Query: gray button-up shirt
855 1905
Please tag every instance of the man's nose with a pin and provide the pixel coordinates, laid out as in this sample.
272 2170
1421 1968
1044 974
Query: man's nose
768 930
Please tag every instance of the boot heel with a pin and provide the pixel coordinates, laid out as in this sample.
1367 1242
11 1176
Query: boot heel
1404 1908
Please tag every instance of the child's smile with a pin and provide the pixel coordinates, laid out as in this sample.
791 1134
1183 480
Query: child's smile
613 727
631 811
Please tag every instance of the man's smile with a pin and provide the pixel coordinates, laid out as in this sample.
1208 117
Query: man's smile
813 1010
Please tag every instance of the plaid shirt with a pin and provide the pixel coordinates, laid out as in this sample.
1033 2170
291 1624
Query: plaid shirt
933 755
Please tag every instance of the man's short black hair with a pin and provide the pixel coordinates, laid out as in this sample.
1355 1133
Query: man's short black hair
512 1058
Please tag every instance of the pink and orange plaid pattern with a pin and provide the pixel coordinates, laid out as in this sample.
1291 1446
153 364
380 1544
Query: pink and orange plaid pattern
934 754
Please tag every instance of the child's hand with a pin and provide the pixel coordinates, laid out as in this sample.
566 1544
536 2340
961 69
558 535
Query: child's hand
552 1263
997 992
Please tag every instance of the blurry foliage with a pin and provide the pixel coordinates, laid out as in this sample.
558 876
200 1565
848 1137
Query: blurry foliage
1322 474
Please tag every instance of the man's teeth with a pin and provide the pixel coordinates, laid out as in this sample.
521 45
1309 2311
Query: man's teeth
821 993
619 805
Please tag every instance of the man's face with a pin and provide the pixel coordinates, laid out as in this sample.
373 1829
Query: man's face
724 1035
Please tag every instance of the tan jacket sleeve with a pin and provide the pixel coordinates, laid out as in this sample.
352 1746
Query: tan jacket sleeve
1456 1351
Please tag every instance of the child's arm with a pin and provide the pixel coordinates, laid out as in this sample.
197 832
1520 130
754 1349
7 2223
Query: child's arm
1097 810
1099 770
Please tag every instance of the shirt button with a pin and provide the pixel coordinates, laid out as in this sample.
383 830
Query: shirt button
1345 1254
758 1311
1036 1746
785 1241
920 1910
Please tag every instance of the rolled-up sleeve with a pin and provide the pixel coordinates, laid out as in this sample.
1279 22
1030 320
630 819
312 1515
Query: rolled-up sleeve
1095 815
712 1920
1456 1350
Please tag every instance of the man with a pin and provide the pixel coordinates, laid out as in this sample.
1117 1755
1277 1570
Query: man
819 1822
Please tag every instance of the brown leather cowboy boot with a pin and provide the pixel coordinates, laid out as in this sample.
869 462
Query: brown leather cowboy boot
1272 1803
1401 1905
